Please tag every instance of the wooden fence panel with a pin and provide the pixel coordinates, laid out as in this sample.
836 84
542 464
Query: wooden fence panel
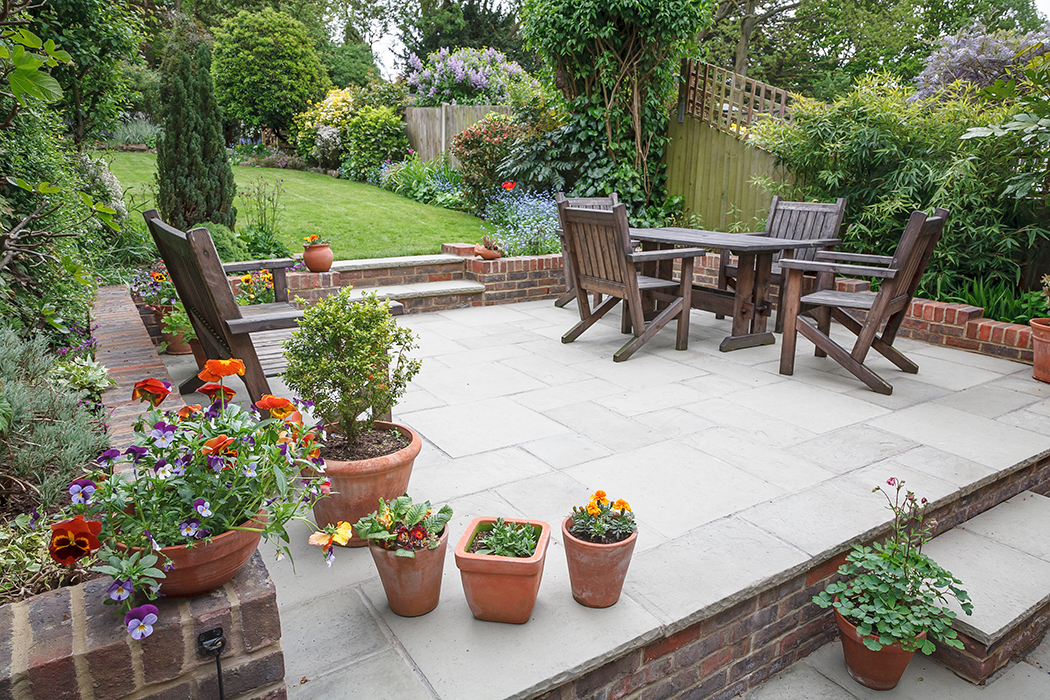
430 129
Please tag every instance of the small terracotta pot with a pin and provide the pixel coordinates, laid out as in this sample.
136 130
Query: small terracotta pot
1040 348
207 565
176 344
486 253
358 485
413 586
318 257
878 670
596 571
501 589
198 352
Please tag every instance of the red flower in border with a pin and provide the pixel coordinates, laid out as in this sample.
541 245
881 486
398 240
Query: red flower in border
211 390
74 539
151 390
508 185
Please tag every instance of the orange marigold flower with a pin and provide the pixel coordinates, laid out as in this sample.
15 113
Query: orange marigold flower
593 508
622 505
278 407
73 539
211 390
599 497
215 370
152 390
187 411
217 445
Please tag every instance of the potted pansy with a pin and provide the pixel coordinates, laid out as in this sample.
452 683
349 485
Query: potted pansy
181 510
317 253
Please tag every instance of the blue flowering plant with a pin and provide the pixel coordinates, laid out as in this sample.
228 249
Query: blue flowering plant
465 77
525 223
191 475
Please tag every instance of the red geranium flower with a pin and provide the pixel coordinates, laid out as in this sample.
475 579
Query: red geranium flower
152 390
215 370
73 539
210 390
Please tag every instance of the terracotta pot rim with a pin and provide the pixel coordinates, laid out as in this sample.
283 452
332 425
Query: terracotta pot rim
596 545
317 245
261 515
537 555
896 646
1041 323
372 465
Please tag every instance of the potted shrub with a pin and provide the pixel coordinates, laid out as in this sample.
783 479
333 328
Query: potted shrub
181 510
408 542
317 253
599 540
501 565
1041 340
178 332
891 601
348 360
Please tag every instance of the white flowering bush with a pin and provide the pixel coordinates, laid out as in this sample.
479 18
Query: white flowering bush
328 146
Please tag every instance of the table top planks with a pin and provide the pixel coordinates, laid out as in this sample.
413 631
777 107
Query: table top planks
738 242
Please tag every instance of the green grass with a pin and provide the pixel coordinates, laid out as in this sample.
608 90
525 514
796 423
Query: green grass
362 221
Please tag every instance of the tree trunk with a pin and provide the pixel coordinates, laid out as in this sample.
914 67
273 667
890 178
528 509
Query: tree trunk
747 28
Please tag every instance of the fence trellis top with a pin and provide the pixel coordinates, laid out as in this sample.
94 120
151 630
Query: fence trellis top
728 101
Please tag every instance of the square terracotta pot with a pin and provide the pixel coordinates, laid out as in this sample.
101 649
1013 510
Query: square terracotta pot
501 589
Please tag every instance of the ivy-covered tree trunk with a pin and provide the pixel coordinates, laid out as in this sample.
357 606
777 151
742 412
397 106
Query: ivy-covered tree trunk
195 181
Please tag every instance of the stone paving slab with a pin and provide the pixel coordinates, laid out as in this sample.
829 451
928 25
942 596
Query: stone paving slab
740 477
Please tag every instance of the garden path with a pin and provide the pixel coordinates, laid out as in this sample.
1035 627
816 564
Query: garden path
739 476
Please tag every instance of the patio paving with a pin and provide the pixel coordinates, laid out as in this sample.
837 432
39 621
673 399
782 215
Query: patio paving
739 477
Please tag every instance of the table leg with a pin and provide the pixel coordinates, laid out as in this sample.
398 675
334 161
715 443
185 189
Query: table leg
763 273
752 286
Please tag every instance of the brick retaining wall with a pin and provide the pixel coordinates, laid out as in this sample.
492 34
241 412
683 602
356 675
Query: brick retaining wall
66 645
736 648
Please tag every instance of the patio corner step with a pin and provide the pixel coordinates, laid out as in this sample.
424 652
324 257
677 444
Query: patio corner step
396 262
422 290
1002 557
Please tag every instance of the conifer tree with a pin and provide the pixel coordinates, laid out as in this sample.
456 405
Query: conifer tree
195 181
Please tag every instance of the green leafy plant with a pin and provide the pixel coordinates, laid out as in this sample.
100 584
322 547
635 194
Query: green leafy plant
26 569
602 521
228 244
350 358
1001 301
177 323
262 236
256 287
403 526
375 135
505 539
82 374
433 182
892 591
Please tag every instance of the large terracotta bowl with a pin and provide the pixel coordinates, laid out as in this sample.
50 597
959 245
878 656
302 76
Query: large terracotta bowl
358 485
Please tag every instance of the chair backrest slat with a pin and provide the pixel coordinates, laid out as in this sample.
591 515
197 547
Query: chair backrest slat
913 253
598 240
804 221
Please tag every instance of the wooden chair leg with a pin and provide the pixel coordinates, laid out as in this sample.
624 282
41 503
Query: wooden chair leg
778 326
654 326
839 354
792 301
566 297
586 323
722 281
878 344
823 315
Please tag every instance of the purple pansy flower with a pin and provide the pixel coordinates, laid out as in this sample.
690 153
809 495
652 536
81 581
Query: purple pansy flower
163 470
163 434
180 464
34 519
203 532
216 462
153 542
202 507
249 470
108 458
137 452
188 528
120 590
140 621
81 490
329 556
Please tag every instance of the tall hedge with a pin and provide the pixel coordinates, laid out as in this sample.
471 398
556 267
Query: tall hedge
193 169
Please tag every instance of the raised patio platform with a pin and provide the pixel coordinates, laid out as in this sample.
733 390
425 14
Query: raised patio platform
747 486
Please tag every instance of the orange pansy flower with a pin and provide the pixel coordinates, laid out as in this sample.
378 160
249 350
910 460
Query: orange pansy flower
278 407
152 390
217 445
215 370
73 539
211 390
187 411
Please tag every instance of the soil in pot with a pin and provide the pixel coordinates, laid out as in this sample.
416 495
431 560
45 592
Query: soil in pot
596 571
358 484
412 586
878 670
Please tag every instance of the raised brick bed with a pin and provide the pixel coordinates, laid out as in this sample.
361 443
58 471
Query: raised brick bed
66 645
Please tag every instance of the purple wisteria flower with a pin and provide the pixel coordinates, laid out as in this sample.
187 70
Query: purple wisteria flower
136 453
140 621
202 507
189 528
163 434
463 76
120 590
80 491
108 458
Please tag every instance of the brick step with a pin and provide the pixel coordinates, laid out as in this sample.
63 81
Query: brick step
1002 556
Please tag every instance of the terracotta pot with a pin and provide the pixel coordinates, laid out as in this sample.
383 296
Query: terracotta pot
878 670
1040 348
198 352
176 344
501 589
413 586
596 571
486 253
361 483
207 565
318 257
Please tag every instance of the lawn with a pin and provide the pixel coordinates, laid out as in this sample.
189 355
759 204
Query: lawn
362 221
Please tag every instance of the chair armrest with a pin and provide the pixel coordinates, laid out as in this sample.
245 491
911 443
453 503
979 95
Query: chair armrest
668 254
851 270
252 265
828 255
286 317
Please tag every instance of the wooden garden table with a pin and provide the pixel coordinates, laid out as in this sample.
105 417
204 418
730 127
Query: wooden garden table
749 304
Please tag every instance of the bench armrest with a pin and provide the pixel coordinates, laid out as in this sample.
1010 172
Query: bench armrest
835 268
829 255
669 254
252 265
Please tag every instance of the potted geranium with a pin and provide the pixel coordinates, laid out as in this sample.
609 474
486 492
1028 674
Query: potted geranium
317 253
349 361
501 565
408 542
1041 339
599 540
891 601
181 510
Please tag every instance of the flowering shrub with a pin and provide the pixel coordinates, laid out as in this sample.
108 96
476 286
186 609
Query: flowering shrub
339 108
375 135
328 146
602 521
481 149
196 473
524 223
433 182
892 590
404 527
464 76
154 286
256 287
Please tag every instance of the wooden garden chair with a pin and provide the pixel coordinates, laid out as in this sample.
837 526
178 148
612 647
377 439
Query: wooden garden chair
603 262
900 275
602 203
791 221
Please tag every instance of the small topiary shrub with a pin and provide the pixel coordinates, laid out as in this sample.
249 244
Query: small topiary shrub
229 247
374 135
481 150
